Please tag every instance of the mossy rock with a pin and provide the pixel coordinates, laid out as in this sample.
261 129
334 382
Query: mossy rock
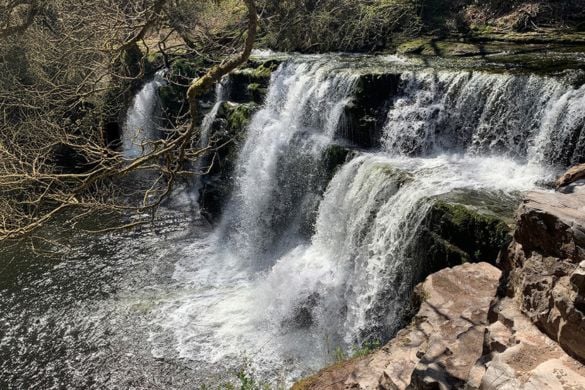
250 83
415 46
455 233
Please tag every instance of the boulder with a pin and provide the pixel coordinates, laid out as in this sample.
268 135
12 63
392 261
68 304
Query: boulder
572 175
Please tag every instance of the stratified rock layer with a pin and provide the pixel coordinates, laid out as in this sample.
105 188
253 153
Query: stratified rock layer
546 266
518 356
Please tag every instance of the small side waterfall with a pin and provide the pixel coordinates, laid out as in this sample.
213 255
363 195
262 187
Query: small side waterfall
220 97
142 120
206 127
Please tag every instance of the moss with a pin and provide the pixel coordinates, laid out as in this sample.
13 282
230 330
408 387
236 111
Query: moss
467 234
251 82
239 116
415 46
257 92
186 68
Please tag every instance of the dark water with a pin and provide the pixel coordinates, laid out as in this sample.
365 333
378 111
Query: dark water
80 316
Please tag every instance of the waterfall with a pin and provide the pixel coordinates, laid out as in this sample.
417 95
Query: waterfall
279 176
300 266
527 117
221 95
358 272
142 120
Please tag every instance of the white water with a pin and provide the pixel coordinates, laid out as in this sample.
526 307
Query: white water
142 120
261 287
530 118
278 174
221 96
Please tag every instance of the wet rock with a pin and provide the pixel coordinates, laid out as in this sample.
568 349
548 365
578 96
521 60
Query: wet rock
335 156
366 114
454 233
250 83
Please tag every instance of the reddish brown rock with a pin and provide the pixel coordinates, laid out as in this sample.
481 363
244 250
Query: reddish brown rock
572 175
518 356
543 262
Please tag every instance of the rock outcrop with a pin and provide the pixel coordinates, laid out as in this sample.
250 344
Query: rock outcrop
572 175
518 356
546 266
454 233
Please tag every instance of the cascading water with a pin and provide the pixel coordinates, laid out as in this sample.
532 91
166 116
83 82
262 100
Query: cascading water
142 119
272 285
279 179
221 95
531 118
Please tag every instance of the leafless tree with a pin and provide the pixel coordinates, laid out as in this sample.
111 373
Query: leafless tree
59 63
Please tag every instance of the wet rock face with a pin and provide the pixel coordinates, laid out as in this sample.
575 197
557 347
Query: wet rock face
367 112
250 84
454 234
546 269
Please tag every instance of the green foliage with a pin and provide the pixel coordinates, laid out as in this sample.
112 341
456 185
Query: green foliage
366 348
244 379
